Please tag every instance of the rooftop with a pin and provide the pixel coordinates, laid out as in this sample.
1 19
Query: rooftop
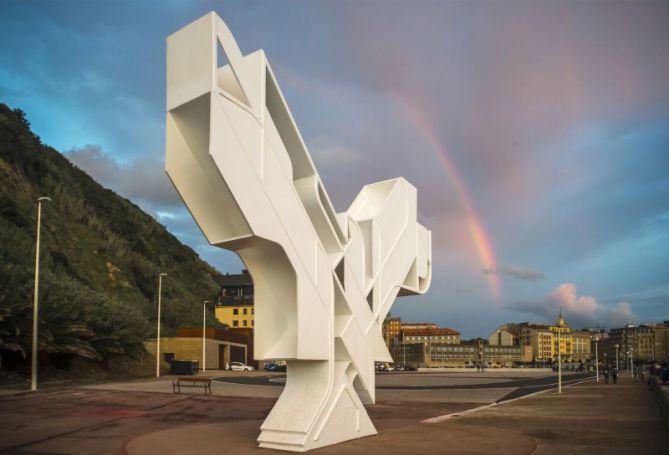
239 279
430 331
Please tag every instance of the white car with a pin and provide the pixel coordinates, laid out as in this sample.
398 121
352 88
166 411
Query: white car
239 366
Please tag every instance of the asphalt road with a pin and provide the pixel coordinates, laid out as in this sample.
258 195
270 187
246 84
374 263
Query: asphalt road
520 386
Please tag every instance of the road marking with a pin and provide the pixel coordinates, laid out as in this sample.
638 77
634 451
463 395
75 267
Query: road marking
441 418
444 417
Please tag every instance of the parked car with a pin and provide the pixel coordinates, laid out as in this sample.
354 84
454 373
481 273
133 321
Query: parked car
239 366
275 367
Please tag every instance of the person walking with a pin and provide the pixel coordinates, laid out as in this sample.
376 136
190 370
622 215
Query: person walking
652 372
614 375
606 374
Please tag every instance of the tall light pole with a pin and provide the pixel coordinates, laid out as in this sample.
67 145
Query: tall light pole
617 347
204 331
33 373
160 291
596 338
560 324
632 360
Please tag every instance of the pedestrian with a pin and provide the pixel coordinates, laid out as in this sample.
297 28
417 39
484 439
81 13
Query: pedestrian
663 374
606 374
642 371
652 372
614 375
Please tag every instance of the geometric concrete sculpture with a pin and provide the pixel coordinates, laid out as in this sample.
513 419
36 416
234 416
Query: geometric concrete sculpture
324 282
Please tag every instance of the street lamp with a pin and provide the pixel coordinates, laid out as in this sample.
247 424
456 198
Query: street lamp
160 290
632 361
617 347
204 330
560 324
596 339
33 373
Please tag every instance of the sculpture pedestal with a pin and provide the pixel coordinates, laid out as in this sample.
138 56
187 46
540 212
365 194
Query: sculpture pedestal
339 417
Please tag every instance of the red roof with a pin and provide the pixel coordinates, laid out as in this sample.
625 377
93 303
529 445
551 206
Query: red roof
430 331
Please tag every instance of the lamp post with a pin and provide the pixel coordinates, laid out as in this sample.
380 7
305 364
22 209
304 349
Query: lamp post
160 290
560 324
33 373
596 339
617 347
204 331
632 361
559 365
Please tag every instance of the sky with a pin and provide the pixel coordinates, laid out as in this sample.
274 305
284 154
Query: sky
536 133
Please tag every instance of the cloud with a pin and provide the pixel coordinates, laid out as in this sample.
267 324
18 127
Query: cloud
578 311
522 273
327 152
621 314
141 180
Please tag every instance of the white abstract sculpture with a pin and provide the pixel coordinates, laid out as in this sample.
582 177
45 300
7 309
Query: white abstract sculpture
324 282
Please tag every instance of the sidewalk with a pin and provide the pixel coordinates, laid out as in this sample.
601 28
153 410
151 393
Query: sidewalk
587 418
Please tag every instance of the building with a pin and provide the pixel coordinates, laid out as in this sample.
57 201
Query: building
661 339
415 333
462 354
392 329
635 341
412 355
417 344
235 304
419 326
581 346
542 343
221 346
545 341
469 353
501 337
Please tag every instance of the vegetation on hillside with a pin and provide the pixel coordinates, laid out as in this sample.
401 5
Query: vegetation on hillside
100 260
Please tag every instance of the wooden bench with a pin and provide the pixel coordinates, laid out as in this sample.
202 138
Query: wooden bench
183 381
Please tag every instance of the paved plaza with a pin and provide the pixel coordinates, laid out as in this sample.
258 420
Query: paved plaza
415 413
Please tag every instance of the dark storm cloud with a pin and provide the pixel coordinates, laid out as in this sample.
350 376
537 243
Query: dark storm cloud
142 179
521 273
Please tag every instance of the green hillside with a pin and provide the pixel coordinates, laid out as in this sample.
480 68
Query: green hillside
101 256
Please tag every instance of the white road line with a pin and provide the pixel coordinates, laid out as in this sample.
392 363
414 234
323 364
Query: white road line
444 417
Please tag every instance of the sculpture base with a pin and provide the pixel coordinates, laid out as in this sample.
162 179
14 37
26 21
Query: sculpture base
334 432
339 418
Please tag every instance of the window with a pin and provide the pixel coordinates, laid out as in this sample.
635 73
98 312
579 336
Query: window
252 322
244 311
235 323
244 322
235 311
252 310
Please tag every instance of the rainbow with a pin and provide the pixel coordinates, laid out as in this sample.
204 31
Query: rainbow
476 230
